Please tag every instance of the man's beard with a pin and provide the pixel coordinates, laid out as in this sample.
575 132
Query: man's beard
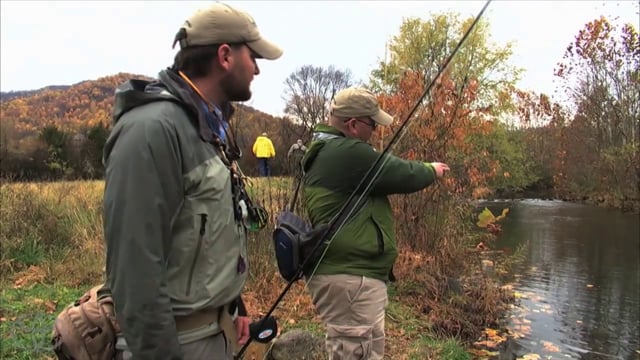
234 89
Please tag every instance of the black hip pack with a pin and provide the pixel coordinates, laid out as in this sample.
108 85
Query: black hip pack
297 245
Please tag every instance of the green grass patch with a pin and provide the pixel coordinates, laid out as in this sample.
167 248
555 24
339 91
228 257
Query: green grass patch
311 326
405 317
27 319
429 348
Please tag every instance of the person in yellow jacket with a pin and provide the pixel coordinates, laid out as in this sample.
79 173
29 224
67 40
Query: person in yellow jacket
263 150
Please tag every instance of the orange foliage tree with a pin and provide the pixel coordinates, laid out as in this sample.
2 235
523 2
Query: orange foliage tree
457 122
600 73
439 131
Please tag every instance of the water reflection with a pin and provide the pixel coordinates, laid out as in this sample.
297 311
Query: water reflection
581 279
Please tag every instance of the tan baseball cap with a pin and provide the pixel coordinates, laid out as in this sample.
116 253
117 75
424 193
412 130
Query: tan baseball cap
359 102
222 24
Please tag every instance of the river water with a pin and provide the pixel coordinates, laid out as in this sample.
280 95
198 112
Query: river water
577 291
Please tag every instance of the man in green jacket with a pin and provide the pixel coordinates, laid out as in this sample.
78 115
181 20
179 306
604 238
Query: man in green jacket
348 286
174 230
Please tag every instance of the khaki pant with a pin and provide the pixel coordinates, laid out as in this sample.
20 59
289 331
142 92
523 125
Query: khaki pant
211 348
353 310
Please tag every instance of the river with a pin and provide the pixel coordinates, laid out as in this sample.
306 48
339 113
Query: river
578 290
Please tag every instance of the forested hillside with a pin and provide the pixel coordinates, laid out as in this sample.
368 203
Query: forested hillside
59 131
10 95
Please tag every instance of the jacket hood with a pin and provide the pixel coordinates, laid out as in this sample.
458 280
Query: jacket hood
169 86
136 92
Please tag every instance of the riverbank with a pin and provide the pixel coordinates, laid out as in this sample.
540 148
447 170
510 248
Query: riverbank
607 200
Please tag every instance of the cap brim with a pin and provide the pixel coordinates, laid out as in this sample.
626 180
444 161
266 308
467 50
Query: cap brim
382 118
265 49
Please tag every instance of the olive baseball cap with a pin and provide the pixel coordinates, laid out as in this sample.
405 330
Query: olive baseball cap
359 102
223 24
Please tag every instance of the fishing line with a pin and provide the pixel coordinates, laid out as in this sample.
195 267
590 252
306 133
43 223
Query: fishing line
364 187
397 136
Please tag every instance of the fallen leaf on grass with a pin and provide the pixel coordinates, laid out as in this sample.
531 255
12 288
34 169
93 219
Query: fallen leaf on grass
50 306
30 276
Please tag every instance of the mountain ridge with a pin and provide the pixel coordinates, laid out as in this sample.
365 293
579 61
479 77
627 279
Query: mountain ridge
71 107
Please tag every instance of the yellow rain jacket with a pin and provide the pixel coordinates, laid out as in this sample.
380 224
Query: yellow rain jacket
263 147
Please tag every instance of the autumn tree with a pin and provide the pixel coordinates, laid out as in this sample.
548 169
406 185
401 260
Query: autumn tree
459 121
56 143
539 123
91 166
600 74
477 81
7 136
422 46
309 91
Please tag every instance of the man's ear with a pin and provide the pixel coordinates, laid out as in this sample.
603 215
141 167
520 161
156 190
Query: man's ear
225 56
350 126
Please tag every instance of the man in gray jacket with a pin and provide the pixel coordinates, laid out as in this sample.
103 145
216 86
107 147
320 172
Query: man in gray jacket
174 230
294 156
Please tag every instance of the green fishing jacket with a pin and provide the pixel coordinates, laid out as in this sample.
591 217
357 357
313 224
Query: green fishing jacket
334 166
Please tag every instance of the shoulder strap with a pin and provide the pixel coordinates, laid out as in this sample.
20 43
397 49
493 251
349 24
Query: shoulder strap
294 198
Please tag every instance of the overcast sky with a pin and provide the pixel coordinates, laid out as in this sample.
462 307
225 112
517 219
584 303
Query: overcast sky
58 43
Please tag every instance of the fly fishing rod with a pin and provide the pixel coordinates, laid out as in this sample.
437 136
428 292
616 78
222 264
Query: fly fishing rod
364 187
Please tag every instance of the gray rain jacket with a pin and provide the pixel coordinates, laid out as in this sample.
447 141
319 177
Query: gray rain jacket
173 243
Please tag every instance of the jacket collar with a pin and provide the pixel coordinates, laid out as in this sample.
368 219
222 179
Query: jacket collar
325 131
180 89
321 133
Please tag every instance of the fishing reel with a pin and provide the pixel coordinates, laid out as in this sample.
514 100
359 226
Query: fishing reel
257 218
254 217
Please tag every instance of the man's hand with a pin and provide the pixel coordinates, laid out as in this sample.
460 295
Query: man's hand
440 168
242 329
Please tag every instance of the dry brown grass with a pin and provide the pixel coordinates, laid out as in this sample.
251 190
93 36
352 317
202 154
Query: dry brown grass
57 227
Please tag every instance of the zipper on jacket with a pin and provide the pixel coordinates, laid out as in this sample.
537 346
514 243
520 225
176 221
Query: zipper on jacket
379 237
203 222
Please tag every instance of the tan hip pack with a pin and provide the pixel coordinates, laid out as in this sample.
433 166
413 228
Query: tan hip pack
87 329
